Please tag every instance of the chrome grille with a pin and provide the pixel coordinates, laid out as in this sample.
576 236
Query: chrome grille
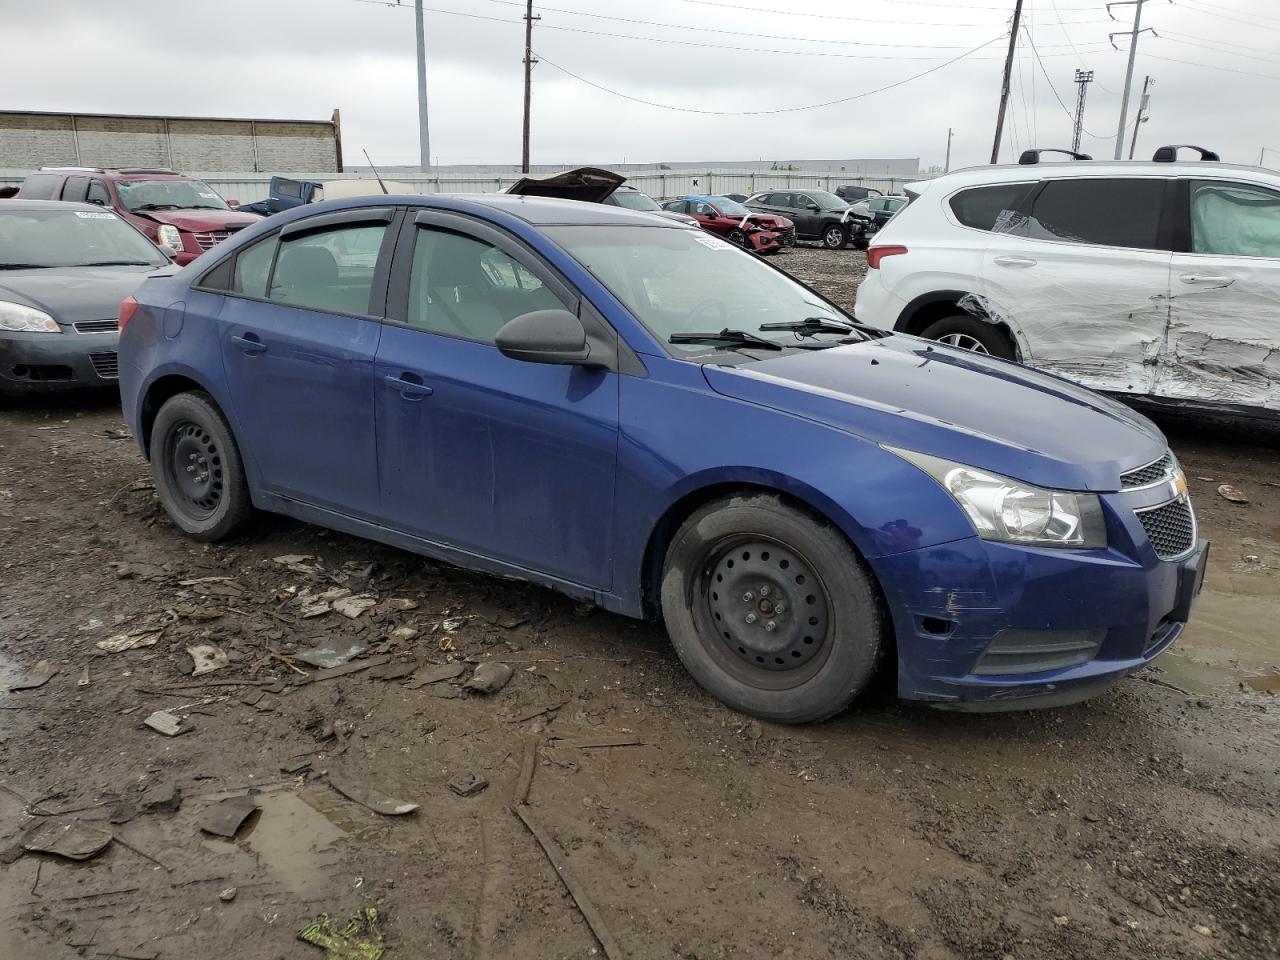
97 326
1151 473
1171 527
105 364
207 241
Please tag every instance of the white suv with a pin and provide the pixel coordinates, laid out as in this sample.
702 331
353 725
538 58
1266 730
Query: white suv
1156 279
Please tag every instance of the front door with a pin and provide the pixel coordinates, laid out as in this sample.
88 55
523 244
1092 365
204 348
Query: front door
1080 277
298 335
506 459
1224 328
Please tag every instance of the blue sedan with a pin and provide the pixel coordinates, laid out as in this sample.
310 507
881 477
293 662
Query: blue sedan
640 415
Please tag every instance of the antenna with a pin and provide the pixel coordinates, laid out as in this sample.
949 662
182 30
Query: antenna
374 169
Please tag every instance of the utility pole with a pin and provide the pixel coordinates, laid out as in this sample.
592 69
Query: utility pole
424 136
1083 79
528 80
946 167
1004 86
1144 114
1133 53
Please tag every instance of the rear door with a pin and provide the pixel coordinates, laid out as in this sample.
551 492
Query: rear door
298 338
1080 273
502 458
1223 344
75 189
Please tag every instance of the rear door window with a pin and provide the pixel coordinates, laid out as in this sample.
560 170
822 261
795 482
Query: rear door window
984 207
1234 219
329 270
40 186
1115 212
75 189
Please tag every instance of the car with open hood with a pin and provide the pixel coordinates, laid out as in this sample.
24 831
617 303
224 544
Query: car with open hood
653 420
175 211
64 268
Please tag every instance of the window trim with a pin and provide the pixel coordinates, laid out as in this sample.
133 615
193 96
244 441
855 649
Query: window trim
340 218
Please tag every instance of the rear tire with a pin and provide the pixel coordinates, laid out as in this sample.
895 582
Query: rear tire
834 236
197 469
970 333
728 568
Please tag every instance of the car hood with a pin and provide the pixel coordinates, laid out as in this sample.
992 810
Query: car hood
73 294
678 217
770 220
201 221
590 184
918 395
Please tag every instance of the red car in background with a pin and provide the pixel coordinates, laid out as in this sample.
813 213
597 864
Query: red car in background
758 232
181 213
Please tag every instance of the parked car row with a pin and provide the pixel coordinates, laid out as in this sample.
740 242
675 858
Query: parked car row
1147 279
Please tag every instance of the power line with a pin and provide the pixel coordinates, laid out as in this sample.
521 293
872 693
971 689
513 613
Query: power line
1224 43
1056 95
757 113
1196 7
1210 66
834 16
1067 36
1205 46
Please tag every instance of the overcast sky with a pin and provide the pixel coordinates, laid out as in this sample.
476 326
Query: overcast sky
1216 66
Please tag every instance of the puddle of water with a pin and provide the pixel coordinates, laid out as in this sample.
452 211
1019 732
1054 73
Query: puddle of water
1267 684
293 836
1231 638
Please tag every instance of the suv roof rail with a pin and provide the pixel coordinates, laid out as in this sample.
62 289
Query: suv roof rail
75 169
1169 153
164 170
1029 157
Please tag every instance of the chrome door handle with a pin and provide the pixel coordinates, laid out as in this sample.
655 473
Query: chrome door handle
1200 278
249 344
1015 261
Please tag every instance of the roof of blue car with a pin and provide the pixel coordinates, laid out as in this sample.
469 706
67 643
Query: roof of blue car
544 211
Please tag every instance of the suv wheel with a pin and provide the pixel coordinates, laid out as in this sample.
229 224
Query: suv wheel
771 611
970 333
196 465
834 236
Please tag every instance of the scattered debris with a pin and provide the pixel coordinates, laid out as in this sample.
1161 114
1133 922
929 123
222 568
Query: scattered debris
349 668
527 764
1266 684
434 674
489 678
468 785
352 607
67 838
147 637
452 623
226 817
227 895
369 797
207 658
331 656
403 634
84 676
445 644
591 743
1228 492
162 721
394 671
296 765
403 603
358 939
161 798
37 676
297 562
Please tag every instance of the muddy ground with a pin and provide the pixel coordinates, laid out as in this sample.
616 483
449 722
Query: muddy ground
1142 824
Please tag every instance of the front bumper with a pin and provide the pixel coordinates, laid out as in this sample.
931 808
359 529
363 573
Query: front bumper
764 241
52 362
987 626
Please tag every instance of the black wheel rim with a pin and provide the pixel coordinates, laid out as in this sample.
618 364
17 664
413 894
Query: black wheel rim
193 464
738 237
764 613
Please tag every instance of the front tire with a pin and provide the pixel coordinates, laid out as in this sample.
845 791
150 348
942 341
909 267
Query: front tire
970 333
727 571
197 469
834 236
737 236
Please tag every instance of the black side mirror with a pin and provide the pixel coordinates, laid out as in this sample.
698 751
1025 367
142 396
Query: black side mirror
814 207
545 336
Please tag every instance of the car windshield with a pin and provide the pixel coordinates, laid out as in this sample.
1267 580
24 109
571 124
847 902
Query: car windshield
826 201
730 208
686 281
635 200
70 238
169 195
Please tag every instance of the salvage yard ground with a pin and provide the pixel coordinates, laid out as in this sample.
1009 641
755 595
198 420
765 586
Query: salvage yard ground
1143 824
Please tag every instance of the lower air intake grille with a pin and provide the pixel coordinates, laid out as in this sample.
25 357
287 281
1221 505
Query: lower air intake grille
1171 528
105 365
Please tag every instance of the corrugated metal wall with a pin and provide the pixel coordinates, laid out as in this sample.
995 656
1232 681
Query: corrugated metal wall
249 187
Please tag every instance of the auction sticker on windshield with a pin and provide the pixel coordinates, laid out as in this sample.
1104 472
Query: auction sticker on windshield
95 215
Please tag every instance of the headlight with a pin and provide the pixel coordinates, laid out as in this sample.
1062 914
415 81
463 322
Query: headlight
1014 512
169 236
20 319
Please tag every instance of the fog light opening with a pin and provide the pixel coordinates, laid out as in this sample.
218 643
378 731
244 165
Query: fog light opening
936 625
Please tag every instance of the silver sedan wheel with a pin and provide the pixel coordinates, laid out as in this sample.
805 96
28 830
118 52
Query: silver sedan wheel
963 341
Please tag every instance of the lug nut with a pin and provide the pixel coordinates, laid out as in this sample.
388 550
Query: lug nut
751 618
779 608
748 597
764 591
770 626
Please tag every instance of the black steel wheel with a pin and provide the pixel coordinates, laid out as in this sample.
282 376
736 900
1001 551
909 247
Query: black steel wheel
197 469
771 610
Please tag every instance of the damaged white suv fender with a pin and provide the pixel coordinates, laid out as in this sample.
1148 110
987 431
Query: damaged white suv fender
1151 279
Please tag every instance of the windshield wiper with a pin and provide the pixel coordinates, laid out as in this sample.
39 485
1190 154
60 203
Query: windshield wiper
736 337
156 206
115 263
26 266
811 325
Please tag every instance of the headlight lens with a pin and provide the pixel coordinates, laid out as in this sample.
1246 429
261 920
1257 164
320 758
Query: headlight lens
20 319
1015 512
169 236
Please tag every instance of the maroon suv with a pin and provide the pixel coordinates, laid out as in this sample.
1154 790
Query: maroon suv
173 210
